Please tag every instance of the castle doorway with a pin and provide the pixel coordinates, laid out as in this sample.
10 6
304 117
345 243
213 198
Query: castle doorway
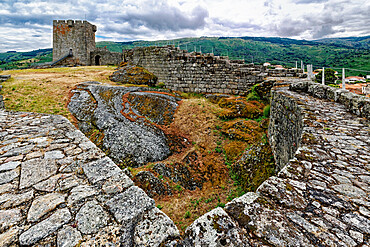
97 60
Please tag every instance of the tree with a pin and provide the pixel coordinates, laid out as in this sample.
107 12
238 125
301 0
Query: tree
330 76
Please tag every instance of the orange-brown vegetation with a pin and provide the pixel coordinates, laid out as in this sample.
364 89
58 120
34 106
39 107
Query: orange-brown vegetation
240 108
205 164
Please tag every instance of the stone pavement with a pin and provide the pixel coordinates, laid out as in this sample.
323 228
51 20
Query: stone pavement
58 189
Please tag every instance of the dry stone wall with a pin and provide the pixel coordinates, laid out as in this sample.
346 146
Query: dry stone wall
196 72
101 55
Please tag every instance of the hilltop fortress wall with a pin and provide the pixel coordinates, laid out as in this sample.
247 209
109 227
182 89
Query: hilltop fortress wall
196 72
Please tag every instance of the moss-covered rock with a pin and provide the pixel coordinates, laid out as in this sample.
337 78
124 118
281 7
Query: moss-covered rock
255 166
152 185
128 73
128 123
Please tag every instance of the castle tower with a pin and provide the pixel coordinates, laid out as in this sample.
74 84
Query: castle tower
77 37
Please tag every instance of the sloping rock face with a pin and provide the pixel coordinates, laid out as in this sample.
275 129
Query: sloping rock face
128 73
125 122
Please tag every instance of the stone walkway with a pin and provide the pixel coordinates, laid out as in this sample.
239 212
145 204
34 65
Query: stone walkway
58 189
321 198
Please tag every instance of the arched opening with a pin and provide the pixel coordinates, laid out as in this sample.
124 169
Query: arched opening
97 60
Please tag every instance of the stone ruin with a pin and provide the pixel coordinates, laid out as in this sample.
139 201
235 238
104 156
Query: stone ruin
74 44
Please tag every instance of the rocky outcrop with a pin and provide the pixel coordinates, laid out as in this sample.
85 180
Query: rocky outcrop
152 185
255 166
128 73
125 122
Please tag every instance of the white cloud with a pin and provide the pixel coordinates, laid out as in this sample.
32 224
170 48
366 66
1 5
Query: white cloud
27 24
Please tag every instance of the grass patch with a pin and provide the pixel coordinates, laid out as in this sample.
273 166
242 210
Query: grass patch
46 90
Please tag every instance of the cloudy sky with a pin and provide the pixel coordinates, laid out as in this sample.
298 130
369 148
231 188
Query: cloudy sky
26 25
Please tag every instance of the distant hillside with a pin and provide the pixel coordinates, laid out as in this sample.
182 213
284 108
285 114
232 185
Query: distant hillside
351 42
13 59
352 52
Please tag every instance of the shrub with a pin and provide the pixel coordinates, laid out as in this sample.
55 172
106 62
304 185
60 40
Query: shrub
160 85
266 111
187 215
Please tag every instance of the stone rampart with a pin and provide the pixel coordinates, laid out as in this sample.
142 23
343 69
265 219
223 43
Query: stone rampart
196 72
285 128
355 103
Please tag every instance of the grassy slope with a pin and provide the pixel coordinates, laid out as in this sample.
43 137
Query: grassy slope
46 90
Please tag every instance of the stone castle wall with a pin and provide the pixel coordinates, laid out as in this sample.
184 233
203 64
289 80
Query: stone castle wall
196 72
285 128
101 55
76 35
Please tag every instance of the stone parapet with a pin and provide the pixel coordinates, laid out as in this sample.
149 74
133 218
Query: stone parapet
356 104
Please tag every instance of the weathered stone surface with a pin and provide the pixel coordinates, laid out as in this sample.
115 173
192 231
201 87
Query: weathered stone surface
9 237
9 218
215 228
349 190
49 184
91 218
117 119
68 237
13 200
108 236
117 183
128 73
54 155
45 227
154 228
129 205
44 204
81 192
8 176
100 169
9 166
68 181
36 170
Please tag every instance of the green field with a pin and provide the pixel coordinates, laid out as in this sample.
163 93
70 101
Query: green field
351 53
